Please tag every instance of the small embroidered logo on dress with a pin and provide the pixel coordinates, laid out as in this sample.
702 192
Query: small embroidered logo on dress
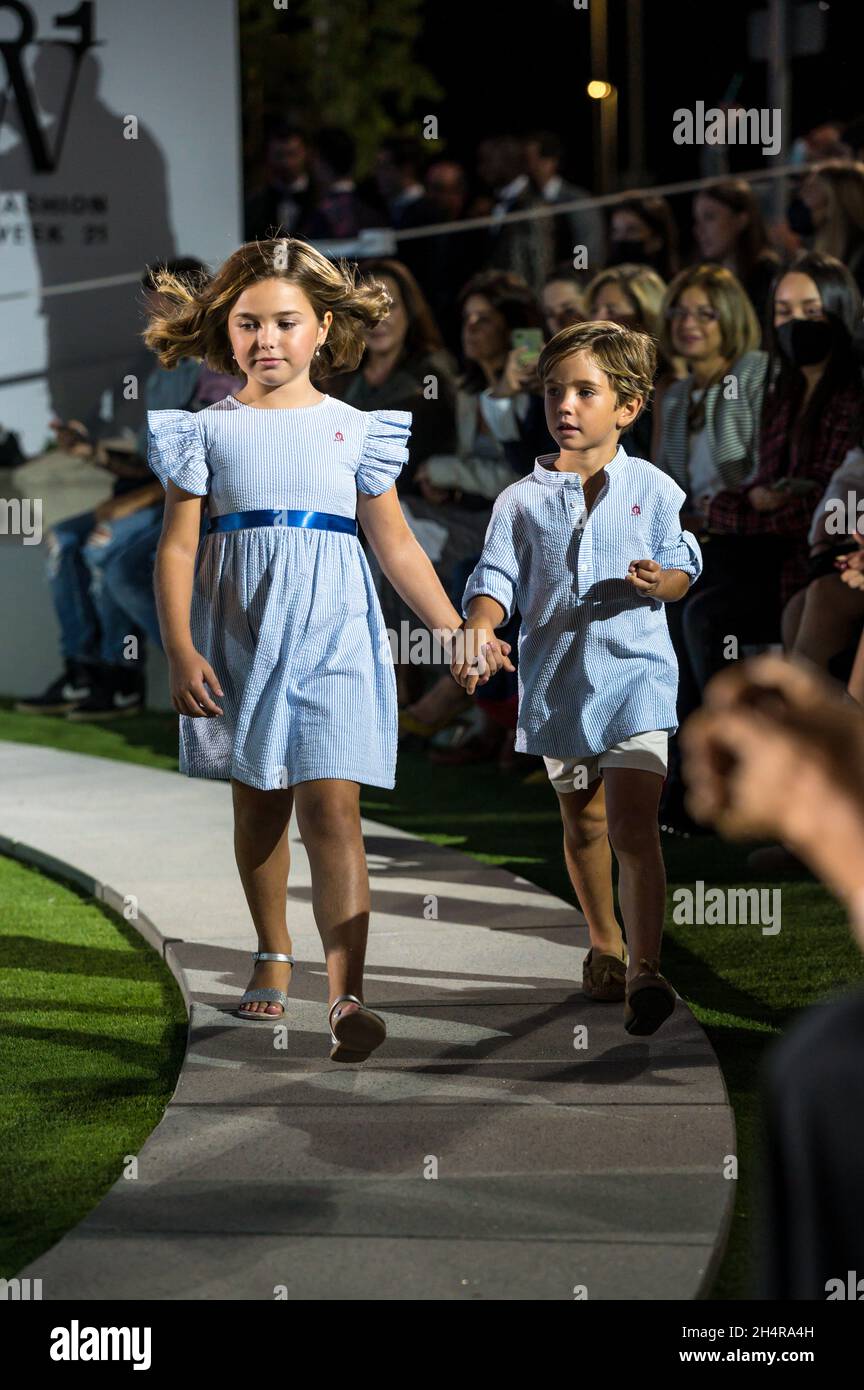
635 510
339 437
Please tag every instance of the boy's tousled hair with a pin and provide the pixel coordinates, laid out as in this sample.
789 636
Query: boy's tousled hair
195 322
627 356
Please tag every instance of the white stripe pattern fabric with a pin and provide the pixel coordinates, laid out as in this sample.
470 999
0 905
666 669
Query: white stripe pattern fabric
596 662
288 617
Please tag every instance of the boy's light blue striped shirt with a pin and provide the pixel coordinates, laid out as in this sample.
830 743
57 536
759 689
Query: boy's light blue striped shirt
596 662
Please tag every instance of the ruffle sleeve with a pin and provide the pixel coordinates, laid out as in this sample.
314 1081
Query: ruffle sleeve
384 453
176 451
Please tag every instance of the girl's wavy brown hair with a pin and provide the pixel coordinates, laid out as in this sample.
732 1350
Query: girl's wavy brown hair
195 321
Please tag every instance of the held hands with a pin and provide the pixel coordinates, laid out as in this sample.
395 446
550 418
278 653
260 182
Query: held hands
477 655
188 693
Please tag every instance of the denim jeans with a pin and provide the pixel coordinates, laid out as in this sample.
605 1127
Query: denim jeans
129 576
93 625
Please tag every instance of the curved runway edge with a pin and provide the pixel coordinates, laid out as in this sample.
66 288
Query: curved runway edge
491 1150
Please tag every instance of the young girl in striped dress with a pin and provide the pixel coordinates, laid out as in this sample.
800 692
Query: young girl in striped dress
280 667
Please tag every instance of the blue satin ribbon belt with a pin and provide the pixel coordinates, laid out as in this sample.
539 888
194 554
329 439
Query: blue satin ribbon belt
318 521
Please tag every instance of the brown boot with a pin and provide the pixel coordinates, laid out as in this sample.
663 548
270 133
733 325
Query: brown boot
603 976
648 1000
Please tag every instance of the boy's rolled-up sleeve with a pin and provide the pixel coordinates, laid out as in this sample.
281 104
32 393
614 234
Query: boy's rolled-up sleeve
497 571
673 548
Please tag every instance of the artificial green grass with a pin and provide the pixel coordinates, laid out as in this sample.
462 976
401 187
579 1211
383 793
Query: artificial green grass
93 1040
744 987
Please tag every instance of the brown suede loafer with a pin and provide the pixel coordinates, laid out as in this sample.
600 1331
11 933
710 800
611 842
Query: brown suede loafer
648 1000
603 976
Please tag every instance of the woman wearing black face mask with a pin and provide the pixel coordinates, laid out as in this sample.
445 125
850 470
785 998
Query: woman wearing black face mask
757 554
642 231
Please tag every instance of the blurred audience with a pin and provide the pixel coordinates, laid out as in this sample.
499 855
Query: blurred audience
525 174
832 213
562 298
729 229
777 750
340 211
405 367
707 439
501 428
643 231
633 295
287 202
99 564
757 554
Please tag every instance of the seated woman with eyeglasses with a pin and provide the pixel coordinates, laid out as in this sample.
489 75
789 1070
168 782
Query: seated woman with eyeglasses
708 436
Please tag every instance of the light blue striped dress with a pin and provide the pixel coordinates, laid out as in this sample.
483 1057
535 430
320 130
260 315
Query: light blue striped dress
288 617
596 662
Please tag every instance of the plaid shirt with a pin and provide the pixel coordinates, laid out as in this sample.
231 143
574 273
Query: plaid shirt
730 511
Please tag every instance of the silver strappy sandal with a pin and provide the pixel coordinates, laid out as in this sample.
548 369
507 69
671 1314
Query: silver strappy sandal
360 1032
271 995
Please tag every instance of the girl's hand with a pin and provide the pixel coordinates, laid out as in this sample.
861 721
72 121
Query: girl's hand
644 575
187 675
477 656
766 499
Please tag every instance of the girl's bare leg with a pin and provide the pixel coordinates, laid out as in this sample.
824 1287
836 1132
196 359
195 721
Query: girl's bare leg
263 858
589 863
328 818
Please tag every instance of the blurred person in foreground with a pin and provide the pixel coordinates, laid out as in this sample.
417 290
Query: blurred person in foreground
778 749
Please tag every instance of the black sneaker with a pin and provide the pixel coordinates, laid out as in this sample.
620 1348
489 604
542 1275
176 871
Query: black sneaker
117 695
69 690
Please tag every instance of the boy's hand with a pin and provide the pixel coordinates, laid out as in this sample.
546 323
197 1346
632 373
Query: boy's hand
477 655
645 576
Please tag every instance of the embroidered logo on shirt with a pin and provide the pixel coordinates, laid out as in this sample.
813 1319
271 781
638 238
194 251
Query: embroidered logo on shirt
635 510
339 436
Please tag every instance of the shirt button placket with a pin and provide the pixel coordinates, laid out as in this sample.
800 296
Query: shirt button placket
585 556
576 500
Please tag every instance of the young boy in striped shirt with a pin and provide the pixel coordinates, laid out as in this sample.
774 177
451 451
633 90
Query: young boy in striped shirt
589 548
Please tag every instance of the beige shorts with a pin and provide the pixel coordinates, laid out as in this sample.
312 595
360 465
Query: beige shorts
648 751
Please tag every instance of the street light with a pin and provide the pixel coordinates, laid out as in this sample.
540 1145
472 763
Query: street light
607 95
